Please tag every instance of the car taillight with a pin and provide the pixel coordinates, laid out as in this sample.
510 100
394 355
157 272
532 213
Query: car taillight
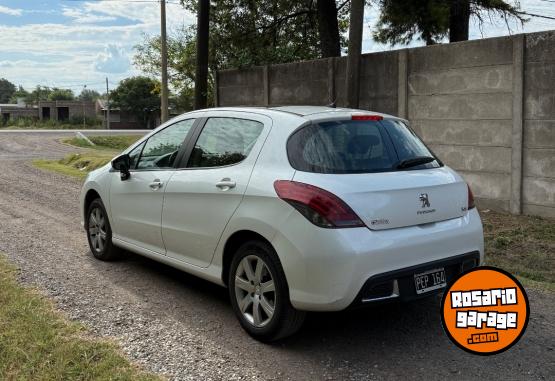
470 199
322 208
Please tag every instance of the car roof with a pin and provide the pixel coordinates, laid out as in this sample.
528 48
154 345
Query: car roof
305 112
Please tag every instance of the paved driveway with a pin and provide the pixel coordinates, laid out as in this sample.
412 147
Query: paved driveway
184 327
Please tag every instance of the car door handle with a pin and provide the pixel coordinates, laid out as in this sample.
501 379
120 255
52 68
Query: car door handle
156 184
226 184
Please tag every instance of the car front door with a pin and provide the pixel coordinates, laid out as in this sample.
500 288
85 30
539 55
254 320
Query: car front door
202 195
136 203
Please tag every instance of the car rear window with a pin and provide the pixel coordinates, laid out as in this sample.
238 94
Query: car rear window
353 146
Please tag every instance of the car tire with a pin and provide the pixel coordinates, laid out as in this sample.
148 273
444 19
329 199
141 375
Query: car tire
251 290
99 232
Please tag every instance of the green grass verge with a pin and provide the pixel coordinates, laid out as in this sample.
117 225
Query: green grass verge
80 164
37 343
115 142
75 164
522 245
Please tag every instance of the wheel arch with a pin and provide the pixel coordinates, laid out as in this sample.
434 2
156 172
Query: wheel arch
233 243
91 195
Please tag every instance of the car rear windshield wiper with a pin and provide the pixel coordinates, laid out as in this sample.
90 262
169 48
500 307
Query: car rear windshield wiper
413 162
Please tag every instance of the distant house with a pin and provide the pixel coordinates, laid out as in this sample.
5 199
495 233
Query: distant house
72 110
16 110
119 119
48 110
124 120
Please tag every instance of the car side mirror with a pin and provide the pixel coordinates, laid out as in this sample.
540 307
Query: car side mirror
122 163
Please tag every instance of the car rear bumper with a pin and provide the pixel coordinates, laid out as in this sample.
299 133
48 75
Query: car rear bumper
328 269
399 284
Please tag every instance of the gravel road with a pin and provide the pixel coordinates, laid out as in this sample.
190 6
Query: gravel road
184 328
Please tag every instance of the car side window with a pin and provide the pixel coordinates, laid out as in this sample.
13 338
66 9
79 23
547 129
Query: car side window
162 148
224 141
134 155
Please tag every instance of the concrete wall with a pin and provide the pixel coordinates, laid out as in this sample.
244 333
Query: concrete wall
485 107
538 185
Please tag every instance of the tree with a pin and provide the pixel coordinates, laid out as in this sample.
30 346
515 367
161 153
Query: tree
328 28
181 64
7 89
461 10
401 21
20 93
201 75
89 95
137 95
39 93
57 94
246 33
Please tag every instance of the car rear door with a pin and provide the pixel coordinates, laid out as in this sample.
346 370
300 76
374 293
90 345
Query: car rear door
203 194
136 203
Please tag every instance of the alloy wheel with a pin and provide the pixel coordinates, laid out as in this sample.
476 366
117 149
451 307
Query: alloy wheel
255 291
97 229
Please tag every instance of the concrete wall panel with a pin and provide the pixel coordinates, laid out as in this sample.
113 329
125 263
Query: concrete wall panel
465 132
494 186
540 46
299 83
464 106
462 81
479 159
491 51
539 163
539 191
539 133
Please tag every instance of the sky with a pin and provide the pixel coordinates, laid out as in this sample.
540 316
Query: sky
77 43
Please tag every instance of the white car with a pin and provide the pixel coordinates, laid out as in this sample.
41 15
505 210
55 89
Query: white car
294 209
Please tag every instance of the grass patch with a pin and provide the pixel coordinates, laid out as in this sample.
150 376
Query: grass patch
37 343
522 245
115 142
75 164
80 164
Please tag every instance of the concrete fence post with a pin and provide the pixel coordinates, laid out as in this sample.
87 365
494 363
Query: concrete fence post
518 112
266 84
332 97
402 81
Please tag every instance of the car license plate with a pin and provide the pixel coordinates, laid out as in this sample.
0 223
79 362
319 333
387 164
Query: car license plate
429 280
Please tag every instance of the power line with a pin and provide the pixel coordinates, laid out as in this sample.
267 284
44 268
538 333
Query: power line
536 15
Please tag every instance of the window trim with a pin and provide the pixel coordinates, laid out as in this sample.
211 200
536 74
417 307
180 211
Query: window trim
182 165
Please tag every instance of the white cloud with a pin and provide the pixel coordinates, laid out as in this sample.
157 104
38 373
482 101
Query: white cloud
5 64
10 11
83 17
112 60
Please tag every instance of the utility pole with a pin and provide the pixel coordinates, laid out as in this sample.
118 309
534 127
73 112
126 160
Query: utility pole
163 38
356 21
107 106
201 77
83 100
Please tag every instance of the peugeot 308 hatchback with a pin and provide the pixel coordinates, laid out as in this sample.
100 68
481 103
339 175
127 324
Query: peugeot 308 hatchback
294 209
